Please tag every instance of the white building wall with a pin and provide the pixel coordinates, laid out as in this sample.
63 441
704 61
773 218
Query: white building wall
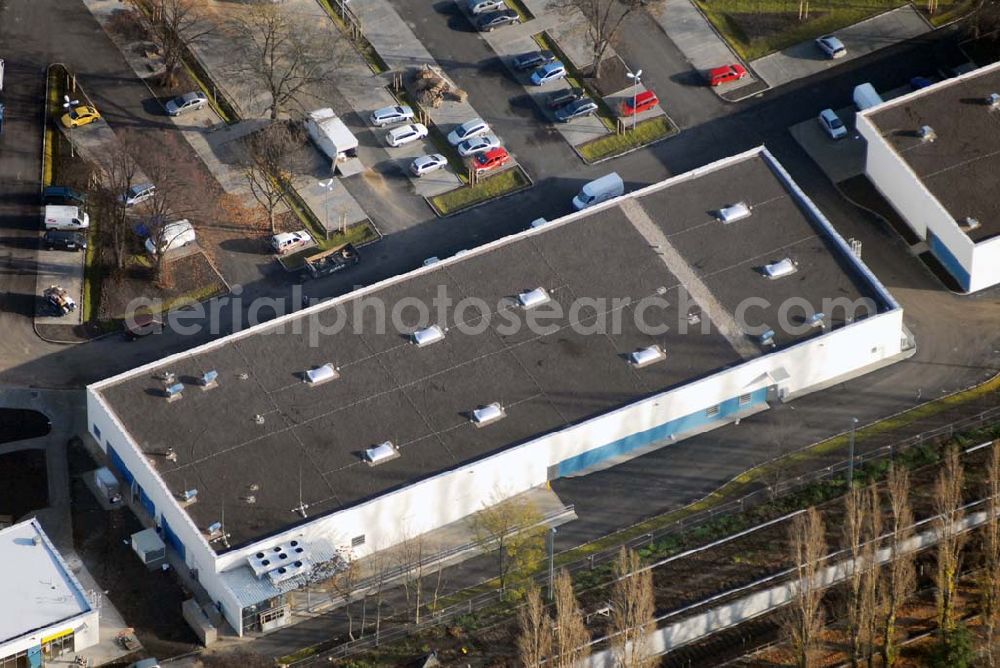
86 629
985 264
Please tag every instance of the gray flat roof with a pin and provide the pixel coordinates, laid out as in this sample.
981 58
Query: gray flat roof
959 167
420 397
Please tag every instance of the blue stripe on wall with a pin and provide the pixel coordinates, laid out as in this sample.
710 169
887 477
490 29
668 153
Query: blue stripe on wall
678 427
172 538
147 502
950 262
119 465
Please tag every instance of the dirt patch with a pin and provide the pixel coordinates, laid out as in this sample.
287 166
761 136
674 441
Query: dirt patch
24 483
763 26
150 602
613 77
190 276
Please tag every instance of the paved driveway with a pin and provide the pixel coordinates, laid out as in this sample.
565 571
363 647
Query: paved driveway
805 59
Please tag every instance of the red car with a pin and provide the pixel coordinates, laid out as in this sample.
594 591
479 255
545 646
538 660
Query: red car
492 159
644 101
726 73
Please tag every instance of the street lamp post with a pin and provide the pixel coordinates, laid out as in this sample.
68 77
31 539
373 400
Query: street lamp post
552 551
327 185
637 80
850 461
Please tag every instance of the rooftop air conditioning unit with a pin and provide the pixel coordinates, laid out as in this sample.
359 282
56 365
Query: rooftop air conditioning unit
816 320
381 453
321 374
780 269
189 495
766 338
993 100
533 298
485 415
209 379
734 212
428 335
173 392
214 529
646 356
926 133
969 223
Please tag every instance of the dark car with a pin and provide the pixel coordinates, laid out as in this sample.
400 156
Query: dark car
139 325
563 97
63 195
533 60
493 20
64 240
576 109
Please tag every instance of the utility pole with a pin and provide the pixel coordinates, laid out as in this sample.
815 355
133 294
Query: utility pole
552 552
850 461
637 79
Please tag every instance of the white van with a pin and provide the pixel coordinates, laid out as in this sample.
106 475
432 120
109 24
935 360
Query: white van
175 235
866 97
65 218
599 190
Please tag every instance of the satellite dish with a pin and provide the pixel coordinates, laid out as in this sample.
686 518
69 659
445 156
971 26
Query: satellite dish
69 103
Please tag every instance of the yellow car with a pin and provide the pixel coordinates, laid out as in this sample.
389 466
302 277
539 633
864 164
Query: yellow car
80 116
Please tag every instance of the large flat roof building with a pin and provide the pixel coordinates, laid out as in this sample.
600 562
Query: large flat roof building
934 154
682 306
44 611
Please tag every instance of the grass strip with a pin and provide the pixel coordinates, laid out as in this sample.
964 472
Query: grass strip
55 88
364 47
507 181
646 132
94 273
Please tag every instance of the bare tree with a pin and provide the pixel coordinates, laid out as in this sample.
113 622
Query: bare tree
267 163
803 10
632 610
285 55
534 643
871 579
411 558
948 514
604 23
513 530
119 172
171 25
853 545
900 576
571 640
989 579
803 619
344 583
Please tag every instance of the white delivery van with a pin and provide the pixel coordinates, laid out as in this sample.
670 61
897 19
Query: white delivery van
176 234
866 97
599 190
65 218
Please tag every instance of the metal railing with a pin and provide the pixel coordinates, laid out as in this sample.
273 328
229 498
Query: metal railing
758 496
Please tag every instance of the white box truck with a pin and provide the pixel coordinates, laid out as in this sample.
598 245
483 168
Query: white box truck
866 97
65 218
332 136
599 190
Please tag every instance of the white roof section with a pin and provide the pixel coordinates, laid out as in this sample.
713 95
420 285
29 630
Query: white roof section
36 586
335 129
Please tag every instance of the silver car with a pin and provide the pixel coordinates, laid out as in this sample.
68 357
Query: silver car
391 115
138 194
186 102
426 164
478 145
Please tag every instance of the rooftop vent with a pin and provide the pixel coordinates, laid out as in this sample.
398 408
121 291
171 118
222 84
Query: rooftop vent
766 338
189 495
734 212
173 392
780 269
244 376
322 374
170 455
259 419
249 499
993 100
533 298
817 320
694 318
646 356
969 223
36 540
487 414
926 133
381 453
428 335
209 379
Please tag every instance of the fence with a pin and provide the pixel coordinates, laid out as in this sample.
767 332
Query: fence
758 496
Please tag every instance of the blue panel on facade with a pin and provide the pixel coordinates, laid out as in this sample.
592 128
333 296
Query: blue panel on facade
172 538
119 465
677 427
950 262
147 502
35 656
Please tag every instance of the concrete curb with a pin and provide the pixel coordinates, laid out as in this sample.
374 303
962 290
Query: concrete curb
670 135
531 184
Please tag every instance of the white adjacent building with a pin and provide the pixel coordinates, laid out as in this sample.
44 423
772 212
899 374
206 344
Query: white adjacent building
933 155
44 612
267 456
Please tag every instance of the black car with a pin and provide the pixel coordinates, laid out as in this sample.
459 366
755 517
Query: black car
63 195
576 109
533 60
64 240
563 97
492 20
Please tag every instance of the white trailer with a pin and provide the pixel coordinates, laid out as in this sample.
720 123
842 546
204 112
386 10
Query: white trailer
332 136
